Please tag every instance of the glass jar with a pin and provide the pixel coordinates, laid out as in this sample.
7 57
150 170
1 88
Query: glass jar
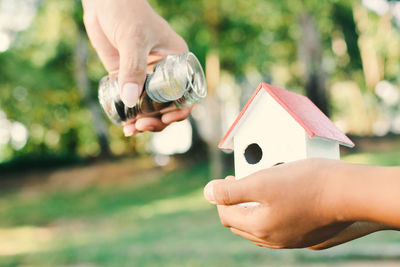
177 81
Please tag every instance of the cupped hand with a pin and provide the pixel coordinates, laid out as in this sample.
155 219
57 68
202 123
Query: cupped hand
130 37
294 211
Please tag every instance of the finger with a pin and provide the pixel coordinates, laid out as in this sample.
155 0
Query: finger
247 235
230 191
230 178
132 69
178 115
169 42
152 60
150 124
236 216
257 241
260 244
130 129
107 53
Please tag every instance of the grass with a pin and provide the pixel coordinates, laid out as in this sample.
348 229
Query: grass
389 158
162 222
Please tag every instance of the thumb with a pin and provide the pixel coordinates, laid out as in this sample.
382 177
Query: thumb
228 192
132 71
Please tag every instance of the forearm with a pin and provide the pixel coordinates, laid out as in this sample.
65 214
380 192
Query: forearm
354 231
366 193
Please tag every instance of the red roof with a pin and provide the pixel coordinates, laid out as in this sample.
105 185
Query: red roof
302 109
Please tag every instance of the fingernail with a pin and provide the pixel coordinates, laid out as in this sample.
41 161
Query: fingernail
129 129
209 193
130 94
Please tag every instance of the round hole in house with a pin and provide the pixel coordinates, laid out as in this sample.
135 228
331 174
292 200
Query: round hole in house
253 153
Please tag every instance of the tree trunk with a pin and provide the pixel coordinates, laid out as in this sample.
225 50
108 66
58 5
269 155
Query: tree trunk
214 114
83 83
310 55
212 18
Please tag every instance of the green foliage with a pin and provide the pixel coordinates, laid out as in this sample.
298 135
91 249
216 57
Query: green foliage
40 65
38 88
386 158
343 17
261 35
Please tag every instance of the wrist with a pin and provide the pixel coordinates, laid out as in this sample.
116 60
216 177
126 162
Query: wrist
335 192
364 193
346 191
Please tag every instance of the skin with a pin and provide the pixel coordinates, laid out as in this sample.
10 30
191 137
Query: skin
130 37
313 203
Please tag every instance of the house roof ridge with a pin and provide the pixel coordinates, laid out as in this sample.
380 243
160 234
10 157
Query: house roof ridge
325 127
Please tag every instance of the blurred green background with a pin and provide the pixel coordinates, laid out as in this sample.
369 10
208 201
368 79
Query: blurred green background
75 192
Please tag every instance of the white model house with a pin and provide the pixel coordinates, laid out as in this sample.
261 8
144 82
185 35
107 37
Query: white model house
278 126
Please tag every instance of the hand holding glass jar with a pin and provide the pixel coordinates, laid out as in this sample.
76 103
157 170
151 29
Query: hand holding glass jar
177 83
130 37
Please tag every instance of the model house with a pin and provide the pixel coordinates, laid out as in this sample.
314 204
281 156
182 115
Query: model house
278 126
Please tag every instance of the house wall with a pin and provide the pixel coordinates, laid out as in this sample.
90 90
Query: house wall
280 137
318 147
